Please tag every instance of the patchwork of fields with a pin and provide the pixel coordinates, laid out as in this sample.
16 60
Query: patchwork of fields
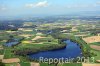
46 37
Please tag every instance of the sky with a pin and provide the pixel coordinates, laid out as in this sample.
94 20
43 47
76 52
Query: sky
46 7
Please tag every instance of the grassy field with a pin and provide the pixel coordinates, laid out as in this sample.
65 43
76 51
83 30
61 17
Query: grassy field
8 54
24 64
65 64
97 57
95 43
11 64
1 51
70 64
46 64
96 52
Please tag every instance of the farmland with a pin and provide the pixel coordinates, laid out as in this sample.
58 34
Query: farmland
34 38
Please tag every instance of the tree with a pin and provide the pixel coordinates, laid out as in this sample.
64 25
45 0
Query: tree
2 64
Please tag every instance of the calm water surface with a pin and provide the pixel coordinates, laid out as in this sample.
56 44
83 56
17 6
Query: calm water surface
72 50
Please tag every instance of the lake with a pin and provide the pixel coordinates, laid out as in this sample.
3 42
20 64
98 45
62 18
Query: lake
12 42
72 50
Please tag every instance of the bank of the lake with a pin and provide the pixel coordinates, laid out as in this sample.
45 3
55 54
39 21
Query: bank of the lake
36 48
72 50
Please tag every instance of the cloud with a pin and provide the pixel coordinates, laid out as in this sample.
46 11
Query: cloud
39 4
29 5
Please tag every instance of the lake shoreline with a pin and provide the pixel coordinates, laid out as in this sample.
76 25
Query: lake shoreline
43 49
59 52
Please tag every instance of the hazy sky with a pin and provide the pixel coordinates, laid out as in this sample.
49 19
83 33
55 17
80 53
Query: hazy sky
46 7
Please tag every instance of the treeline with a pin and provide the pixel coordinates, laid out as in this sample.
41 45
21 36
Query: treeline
47 30
1 64
14 26
6 26
33 49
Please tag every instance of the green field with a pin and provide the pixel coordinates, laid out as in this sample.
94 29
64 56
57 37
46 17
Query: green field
24 64
70 64
65 64
95 43
46 64
8 54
